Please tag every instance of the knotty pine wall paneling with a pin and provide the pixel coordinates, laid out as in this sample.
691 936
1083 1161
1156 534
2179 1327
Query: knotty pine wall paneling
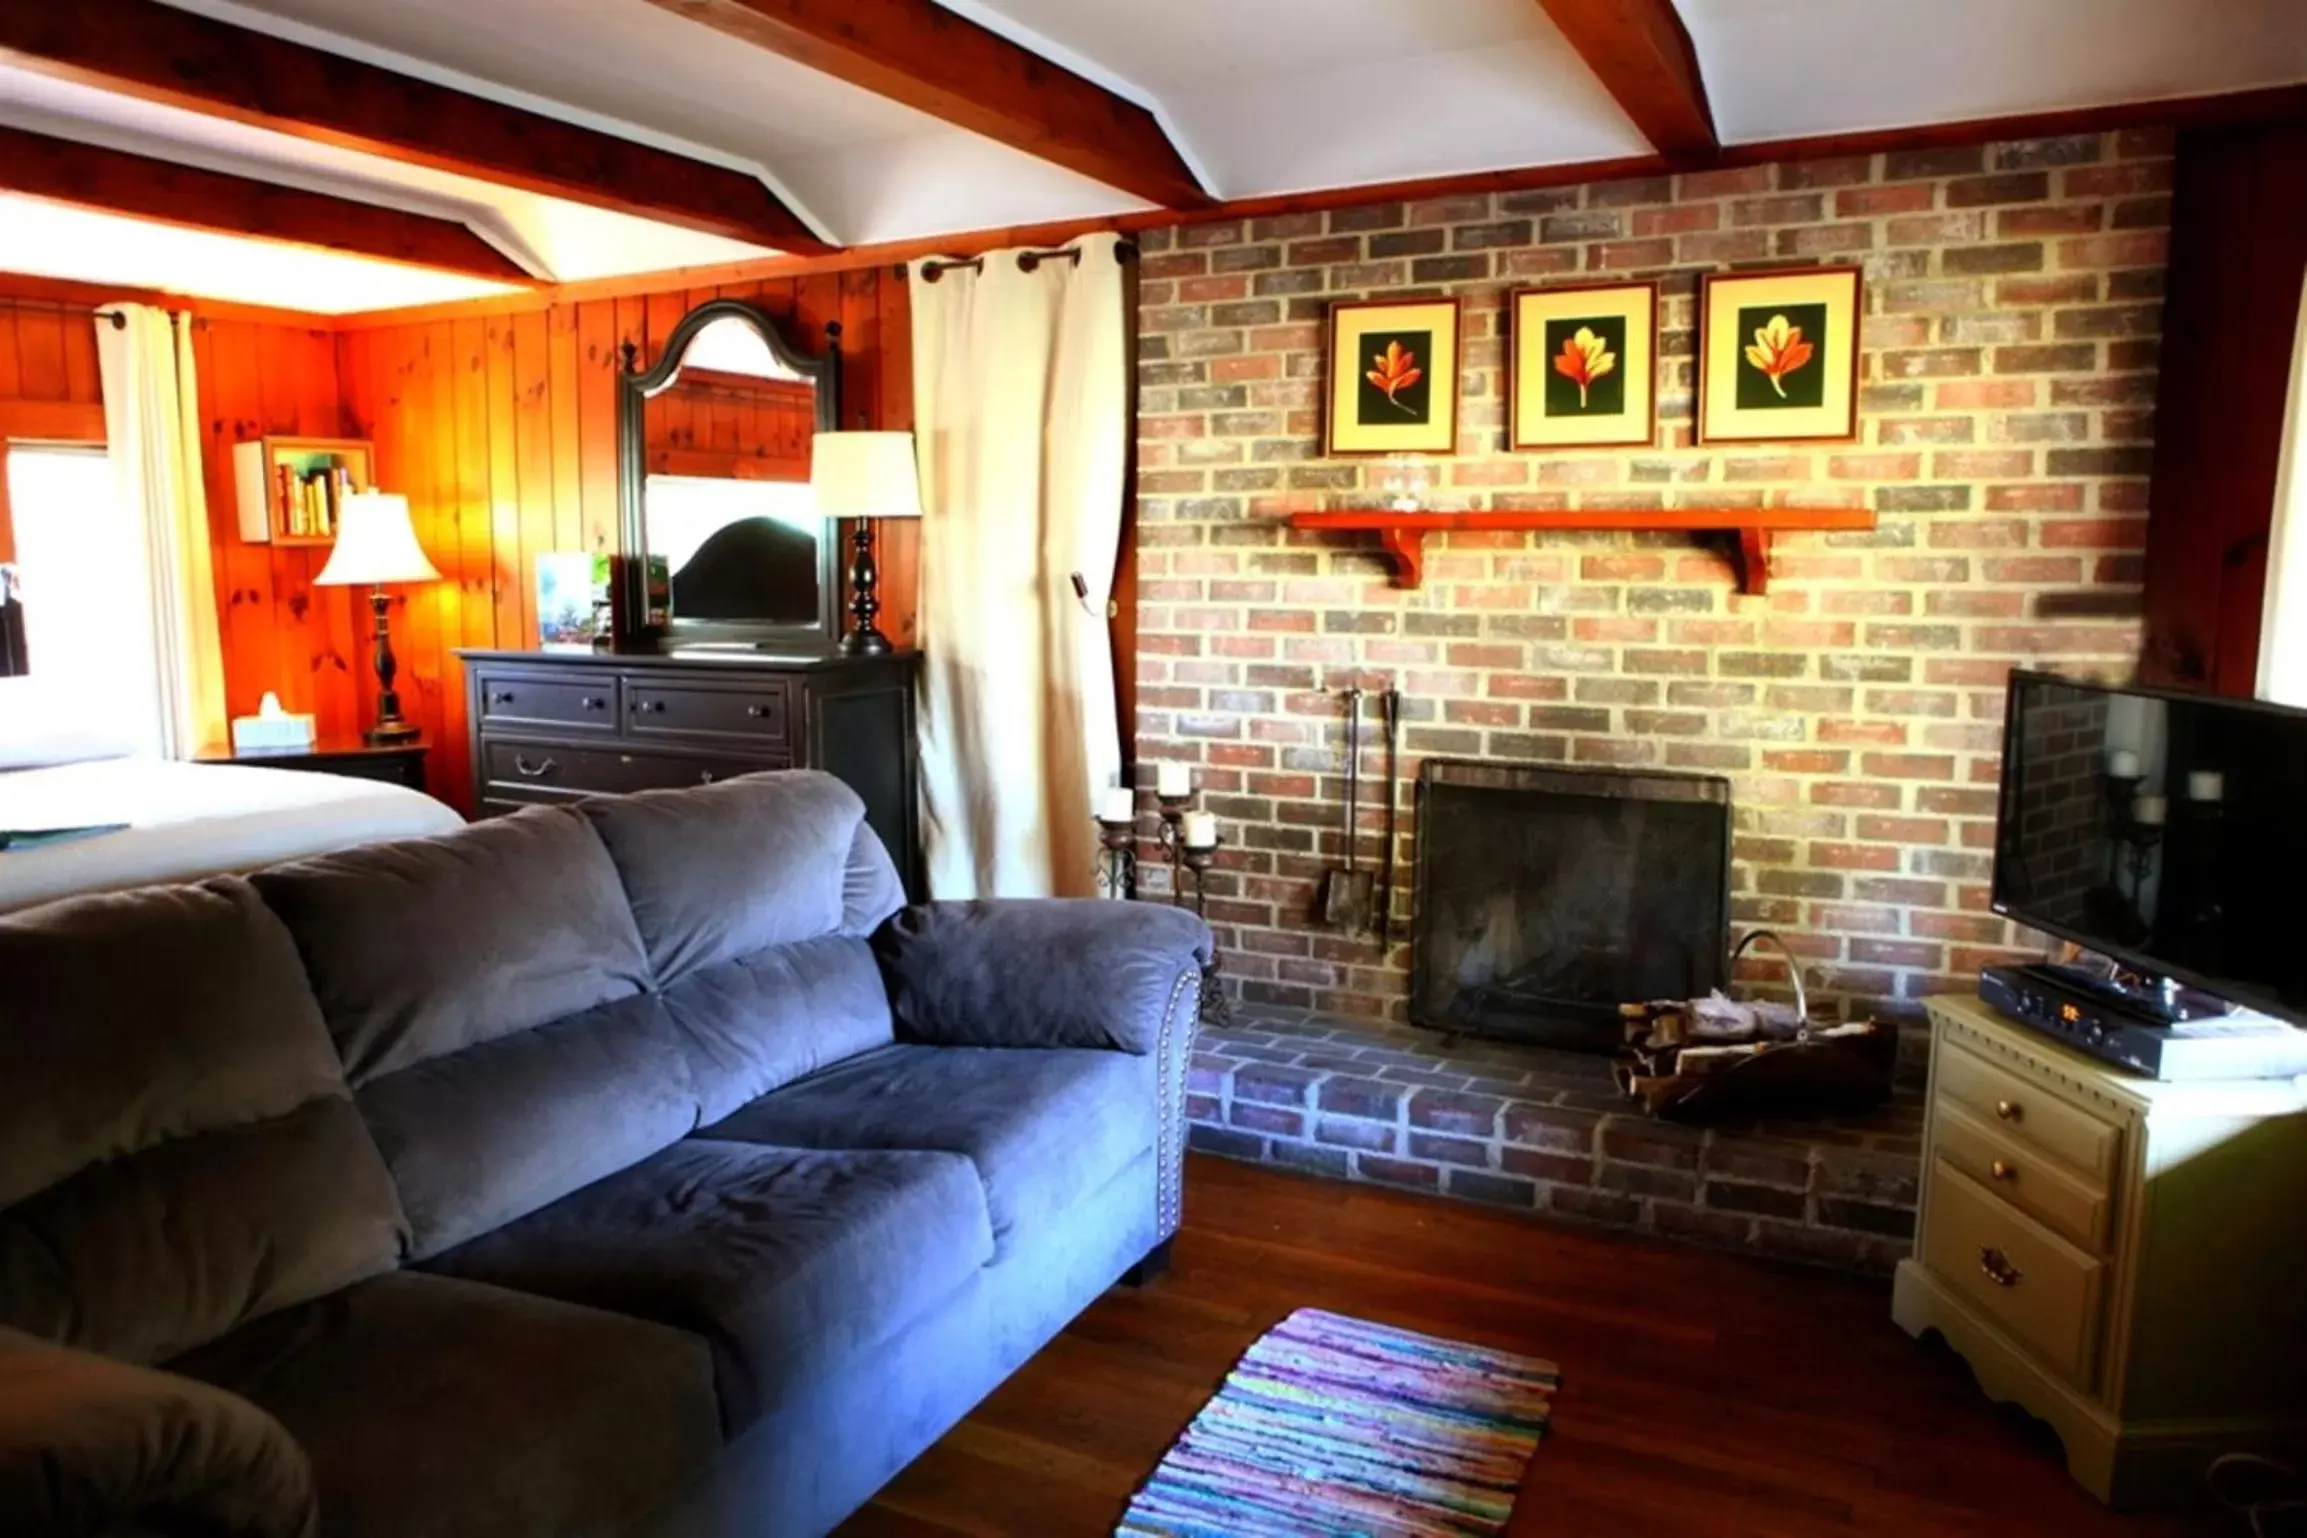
501 429
48 384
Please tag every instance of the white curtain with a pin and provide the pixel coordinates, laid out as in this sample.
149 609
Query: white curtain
152 432
2283 630
1021 401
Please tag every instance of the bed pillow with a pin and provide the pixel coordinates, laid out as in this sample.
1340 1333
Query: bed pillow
37 732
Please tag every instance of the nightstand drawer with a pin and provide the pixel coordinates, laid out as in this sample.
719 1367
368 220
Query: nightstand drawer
524 699
752 715
2067 1204
2030 1112
2037 1288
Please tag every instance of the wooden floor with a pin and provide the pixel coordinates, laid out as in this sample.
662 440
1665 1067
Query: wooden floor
1702 1394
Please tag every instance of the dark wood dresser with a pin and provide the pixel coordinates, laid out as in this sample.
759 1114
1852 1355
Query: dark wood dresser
549 726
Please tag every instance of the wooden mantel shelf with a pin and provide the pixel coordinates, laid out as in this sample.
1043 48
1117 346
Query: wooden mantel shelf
1404 533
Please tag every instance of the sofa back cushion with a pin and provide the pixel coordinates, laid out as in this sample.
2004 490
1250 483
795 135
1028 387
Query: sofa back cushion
178 1152
754 898
487 991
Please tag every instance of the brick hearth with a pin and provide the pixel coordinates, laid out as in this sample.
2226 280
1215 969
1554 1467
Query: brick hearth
1543 1131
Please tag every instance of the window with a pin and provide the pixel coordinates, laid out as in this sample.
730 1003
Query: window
90 667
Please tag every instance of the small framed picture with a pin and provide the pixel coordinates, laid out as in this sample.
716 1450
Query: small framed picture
1778 355
1393 377
1585 366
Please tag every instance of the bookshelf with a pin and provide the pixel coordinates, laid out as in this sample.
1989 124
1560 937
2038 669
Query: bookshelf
288 488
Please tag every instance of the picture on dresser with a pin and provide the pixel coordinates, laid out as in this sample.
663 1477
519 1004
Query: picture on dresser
1585 366
1778 355
572 597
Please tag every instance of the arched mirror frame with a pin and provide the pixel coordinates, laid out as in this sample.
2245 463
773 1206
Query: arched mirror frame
823 372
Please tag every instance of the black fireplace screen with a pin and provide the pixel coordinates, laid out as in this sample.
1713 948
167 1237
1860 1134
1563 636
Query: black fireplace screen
1547 897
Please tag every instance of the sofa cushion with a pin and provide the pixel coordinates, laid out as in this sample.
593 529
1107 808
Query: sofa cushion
1044 1127
419 948
486 1135
439 1407
177 1152
768 1018
719 872
786 1261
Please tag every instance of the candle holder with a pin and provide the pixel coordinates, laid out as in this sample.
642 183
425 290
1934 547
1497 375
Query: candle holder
1173 835
1116 859
1198 859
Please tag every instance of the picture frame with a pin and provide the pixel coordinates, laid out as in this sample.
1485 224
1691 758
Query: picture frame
1394 377
1778 355
1584 367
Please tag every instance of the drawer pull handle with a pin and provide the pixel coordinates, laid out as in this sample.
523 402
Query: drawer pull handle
2010 1110
649 707
595 702
704 776
756 711
1997 1266
535 771
2003 1169
501 697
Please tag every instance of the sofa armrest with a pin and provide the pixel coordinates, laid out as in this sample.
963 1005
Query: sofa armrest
1036 972
91 1445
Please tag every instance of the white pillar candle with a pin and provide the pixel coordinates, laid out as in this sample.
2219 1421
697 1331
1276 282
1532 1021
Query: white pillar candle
2206 785
1118 804
2150 811
1201 830
1173 780
2123 764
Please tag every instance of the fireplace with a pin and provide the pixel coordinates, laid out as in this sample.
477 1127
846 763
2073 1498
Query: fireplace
1546 897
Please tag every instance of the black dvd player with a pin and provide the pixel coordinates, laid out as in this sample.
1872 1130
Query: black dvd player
2145 1034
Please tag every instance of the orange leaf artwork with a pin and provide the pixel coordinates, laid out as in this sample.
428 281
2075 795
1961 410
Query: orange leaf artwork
1395 370
1777 351
1583 359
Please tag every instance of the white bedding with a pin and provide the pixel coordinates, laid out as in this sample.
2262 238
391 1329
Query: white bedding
190 820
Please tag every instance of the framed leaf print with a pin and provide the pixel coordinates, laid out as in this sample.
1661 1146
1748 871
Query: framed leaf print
1585 366
1393 377
1778 355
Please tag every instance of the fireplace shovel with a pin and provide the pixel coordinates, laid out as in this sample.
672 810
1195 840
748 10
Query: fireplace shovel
1346 893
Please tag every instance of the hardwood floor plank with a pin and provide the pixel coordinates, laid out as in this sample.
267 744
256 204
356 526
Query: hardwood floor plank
1704 1395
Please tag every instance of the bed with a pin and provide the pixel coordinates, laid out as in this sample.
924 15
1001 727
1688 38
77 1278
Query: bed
183 821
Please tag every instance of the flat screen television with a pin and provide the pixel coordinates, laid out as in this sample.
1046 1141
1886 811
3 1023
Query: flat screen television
2166 831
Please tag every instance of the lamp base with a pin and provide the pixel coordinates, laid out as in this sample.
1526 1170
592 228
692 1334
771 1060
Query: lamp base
865 643
391 734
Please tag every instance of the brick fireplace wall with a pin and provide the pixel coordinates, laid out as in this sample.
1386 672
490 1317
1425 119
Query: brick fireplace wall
2008 375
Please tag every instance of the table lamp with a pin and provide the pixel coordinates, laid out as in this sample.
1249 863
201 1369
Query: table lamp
377 546
864 476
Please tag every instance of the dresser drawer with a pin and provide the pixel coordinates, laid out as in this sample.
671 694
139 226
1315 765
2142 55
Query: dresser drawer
749 715
556 771
2070 1205
2030 1113
2041 1291
526 699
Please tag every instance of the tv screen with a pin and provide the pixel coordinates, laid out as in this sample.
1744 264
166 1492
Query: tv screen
2168 831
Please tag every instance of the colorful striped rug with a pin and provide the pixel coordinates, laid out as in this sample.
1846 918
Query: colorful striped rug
1332 1426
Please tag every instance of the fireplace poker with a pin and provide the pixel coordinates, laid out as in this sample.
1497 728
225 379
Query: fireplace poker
1393 703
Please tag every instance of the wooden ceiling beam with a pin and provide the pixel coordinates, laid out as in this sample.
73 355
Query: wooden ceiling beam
928 58
1642 54
114 181
159 53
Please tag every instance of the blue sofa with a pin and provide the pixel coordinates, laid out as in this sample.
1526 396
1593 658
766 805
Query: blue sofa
638 1166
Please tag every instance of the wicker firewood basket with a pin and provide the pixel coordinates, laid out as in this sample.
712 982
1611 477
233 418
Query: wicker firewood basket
1714 1059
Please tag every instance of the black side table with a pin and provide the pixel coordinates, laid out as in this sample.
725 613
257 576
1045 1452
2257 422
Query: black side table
399 763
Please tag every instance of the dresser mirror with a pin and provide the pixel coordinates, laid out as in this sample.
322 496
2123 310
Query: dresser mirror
714 443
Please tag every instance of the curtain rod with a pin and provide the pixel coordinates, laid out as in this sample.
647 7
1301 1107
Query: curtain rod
64 307
1027 261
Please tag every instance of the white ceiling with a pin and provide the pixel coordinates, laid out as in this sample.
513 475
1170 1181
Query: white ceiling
1261 97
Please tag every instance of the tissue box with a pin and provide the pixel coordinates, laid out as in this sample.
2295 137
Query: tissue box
271 733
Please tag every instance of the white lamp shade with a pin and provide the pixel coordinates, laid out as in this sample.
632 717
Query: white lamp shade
865 475
375 544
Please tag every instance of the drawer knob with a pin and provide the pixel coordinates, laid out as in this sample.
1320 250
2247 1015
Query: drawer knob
756 711
535 771
595 702
501 697
649 707
2010 1110
1997 1266
704 776
2004 1169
